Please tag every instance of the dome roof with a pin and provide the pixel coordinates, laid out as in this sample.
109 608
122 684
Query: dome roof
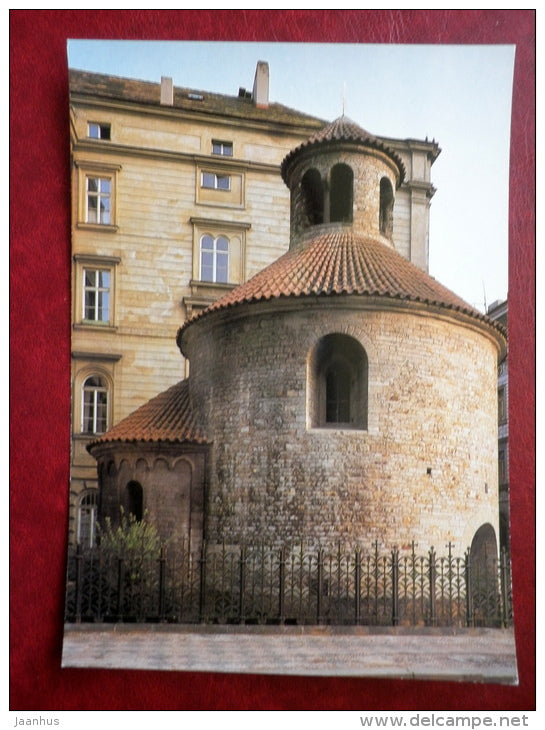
342 263
342 129
166 418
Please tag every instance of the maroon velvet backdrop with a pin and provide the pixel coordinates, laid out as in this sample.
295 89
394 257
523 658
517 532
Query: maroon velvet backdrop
40 357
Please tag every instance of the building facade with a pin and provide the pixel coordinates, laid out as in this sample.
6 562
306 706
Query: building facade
498 312
177 199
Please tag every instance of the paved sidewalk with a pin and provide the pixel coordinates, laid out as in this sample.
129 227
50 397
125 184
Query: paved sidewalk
476 655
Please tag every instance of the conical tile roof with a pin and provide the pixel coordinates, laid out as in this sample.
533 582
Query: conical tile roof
338 263
166 418
342 129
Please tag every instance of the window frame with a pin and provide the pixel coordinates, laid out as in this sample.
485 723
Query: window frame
104 131
94 170
502 405
216 253
85 262
99 291
101 196
92 496
226 148
95 390
345 356
215 177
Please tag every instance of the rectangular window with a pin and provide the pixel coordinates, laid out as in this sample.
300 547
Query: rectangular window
87 518
98 192
215 182
502 467
502 406
96 295
95 406
222 148
98 131
215 259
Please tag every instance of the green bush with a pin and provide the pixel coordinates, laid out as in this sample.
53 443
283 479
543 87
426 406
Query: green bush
131 538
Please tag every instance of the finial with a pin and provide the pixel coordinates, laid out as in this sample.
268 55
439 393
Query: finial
344 96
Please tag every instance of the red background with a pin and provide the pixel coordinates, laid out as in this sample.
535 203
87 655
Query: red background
40 358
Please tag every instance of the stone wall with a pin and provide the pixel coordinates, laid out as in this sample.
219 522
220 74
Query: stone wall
172 482
424 469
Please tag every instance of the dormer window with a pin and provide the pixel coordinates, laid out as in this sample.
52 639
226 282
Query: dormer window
96 130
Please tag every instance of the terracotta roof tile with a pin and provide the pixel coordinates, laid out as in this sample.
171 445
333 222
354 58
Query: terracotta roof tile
342 129
338 263
167 418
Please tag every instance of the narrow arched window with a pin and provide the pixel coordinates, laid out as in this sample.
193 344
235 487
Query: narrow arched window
135 500
87 519
337 383
313 197
341 194
215 259
386 214
95 405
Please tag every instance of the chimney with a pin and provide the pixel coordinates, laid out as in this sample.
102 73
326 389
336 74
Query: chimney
167 91
260 93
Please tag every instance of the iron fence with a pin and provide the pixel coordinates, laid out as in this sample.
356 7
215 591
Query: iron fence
258 584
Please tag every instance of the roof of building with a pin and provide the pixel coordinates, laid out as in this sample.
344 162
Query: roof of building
166 418
341 263
204 102
341 130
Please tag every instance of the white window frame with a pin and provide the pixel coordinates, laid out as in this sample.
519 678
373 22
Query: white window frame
94 404
101 196
99 292
215 254
92 262
222 148
99 130
98 171
211 181
88 504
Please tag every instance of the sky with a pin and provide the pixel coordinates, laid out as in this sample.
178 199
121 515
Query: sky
458 95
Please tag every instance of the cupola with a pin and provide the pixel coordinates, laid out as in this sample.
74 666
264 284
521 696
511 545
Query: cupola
342 177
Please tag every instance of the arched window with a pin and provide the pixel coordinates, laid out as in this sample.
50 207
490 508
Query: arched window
313 197
94 412
386 214
87 519
337 382
341 194
135 500
215 259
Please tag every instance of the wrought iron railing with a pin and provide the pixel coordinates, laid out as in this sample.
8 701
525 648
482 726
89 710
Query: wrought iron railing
226 584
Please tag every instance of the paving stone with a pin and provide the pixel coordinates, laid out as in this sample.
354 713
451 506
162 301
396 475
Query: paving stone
476 655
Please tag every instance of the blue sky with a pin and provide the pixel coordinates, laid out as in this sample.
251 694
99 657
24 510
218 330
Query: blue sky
458 95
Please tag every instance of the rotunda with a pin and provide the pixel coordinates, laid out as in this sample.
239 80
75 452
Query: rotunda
341 394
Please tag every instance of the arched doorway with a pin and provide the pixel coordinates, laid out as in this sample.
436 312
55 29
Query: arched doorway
483 576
